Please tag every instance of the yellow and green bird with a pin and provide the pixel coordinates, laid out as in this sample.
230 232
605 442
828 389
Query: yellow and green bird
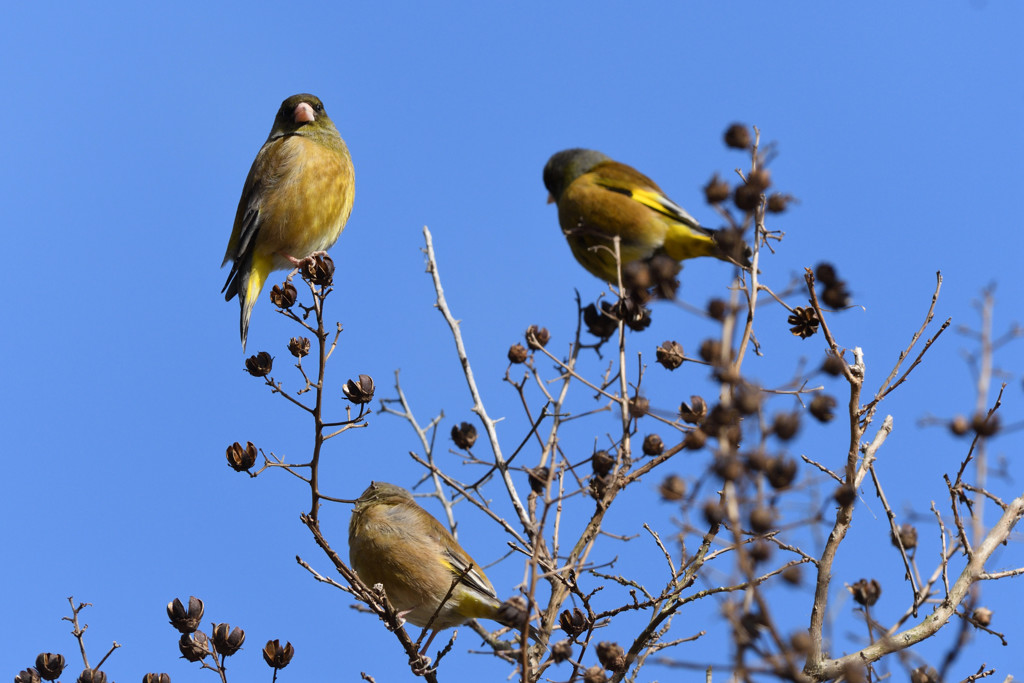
599 199
295 201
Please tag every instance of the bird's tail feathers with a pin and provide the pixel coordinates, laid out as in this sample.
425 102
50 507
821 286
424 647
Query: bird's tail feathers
249 284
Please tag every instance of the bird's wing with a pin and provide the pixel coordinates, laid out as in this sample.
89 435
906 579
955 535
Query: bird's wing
474 578
626 180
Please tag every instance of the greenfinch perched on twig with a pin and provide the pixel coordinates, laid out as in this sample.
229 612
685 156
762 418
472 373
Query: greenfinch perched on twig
295 201
394 542
599 199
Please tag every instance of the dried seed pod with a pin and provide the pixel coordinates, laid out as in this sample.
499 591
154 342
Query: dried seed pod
259 365
695 439
982 616
985 425
786 425
714 512
194 646
276 656
762 519
717 190
284 295
844 495
50 665
299 347
695 411
359 391
228 641
746 197
517 353
91 676
760 178
156 678
537 337
241 459
561 651
866 592
728 467
803 322
573 623
638 407
959 425
182 619
924 674
821 407
781 472
319 271
778 202
738 136
464 435
28 675
611 655
601 323
833 365
761 551
538 478
653 445
670 354
792 575
905 534
602 463
595 674
672 488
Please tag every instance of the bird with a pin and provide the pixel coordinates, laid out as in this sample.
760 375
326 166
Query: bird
599 199
394 542
295 201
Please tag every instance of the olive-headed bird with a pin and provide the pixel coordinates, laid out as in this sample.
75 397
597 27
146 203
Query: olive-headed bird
599 199
295 201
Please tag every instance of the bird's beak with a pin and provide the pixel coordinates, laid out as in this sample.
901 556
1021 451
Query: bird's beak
551 199
304 113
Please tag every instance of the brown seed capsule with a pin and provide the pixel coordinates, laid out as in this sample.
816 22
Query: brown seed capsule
792 575
259 365
825 273
959 425
638 407
760 178
636 316
359 391
653 445
464 435
156 678
721 421
731 243
716 191
664 276
611 655
854 672
711 351
241 459
537 337
985 425
514 611
836 296
737 136
284 295
756 460
538 478
695 439
672 488
761 520
299 347
517 353
728 467
91 676
670 354
746 197
636 276
695 411
228 641
844 495
778 202
924 674
717 309
760 551
800 641
781 472
561 651
278 657
833 365
49 665
803 322
821 407
907 535
982 616
714 512
786 425
747 399
319 271
601 323
595 674
573 623
194 646
182 619
599 486
866 592
602 463
28 675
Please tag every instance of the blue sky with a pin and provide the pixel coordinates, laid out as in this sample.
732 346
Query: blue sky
131 128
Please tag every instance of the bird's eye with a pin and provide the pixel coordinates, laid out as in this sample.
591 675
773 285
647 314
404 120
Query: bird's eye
319 106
